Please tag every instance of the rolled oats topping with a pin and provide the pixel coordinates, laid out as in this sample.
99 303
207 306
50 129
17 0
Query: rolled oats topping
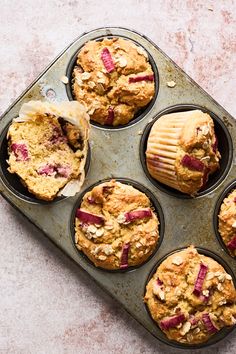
104 70
85 76
182 313
91 84
177 260
115 221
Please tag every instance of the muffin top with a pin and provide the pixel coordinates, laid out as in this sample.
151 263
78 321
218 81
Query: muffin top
115 226
48 146
182 150
227 222
191 297
114 79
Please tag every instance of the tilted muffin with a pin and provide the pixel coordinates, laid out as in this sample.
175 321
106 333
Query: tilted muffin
227 222
114 79
115 226
182 150
191 297
47 146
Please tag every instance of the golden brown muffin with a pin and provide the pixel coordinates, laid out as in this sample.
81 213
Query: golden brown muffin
182 150
227 222
191 297
48 146
114 79
115 226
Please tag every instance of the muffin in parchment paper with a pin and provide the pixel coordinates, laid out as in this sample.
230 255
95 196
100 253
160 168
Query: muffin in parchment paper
114 79
115 226
191 297
182 150
47 147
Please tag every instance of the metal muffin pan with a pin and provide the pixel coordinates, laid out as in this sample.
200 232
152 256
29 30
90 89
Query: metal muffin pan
116 152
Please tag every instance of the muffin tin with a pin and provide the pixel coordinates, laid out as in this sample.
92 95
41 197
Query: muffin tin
118 152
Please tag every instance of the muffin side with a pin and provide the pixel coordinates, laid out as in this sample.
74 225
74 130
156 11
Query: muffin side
182 150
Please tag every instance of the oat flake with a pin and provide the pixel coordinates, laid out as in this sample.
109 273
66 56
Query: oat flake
102 258
85 75
91 84
177 260
171 84
64 79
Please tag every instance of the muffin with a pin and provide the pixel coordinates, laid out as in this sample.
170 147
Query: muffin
191 297
182 150
114 79
47 147
115 226
227 222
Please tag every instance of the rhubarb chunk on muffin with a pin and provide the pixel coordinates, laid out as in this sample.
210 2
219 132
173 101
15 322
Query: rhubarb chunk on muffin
47 147
182 150
114 78
191 297
116 226
227 222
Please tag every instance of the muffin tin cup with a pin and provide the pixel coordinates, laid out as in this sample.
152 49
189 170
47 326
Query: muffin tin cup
154 203
142 111
223 195
12 180
225 147
214 338
116 152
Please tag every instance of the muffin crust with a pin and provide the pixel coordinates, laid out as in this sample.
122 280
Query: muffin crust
183 314
108 243
227 222
111 93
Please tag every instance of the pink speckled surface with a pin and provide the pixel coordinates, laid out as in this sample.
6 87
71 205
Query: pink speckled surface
47 304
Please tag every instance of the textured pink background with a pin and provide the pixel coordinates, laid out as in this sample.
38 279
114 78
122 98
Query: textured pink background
47 304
